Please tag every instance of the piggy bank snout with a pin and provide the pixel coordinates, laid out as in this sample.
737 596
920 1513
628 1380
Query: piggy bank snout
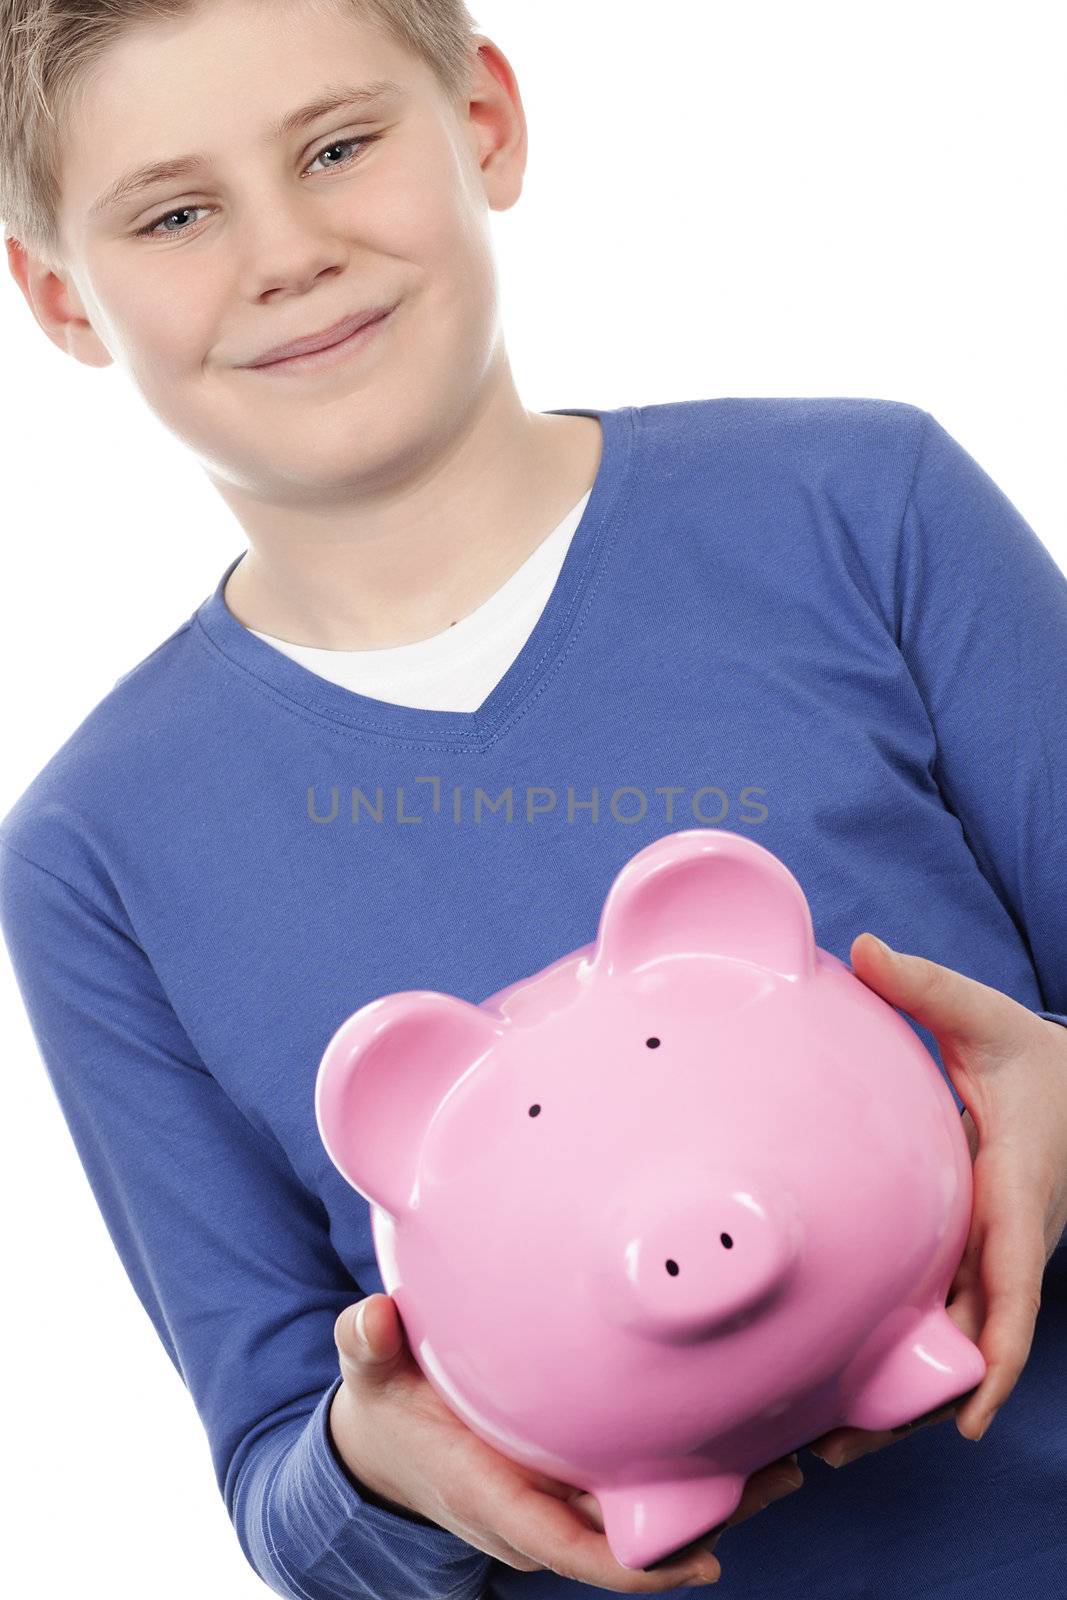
688 1268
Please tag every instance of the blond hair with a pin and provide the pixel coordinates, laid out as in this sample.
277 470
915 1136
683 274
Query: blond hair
49 47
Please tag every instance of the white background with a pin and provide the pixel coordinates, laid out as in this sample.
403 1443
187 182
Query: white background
721 199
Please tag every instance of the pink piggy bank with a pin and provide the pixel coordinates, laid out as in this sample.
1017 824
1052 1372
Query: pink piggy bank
669 1208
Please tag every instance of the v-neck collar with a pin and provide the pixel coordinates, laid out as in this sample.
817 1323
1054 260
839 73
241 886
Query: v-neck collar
475 730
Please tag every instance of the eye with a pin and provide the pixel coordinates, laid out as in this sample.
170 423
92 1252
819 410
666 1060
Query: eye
653 1044
360 140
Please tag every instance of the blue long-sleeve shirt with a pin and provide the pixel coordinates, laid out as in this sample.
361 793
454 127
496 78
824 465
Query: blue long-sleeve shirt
817 622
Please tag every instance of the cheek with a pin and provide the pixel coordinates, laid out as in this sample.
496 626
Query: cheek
167 321
427 214
125 308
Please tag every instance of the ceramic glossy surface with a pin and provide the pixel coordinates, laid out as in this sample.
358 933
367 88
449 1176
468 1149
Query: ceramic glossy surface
673 1206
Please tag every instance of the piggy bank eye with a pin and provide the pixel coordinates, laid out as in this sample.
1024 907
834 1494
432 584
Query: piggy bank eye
653 1044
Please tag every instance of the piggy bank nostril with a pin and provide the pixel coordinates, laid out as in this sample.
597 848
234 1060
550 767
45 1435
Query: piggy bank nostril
673 1267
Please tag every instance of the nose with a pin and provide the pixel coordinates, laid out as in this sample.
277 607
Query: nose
686 1270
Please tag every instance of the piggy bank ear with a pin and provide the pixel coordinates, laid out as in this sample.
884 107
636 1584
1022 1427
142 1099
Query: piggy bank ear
383 1075
705 892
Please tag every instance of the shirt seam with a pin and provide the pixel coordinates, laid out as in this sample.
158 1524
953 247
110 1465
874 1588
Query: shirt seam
459 745
476 742
90 905
623 498
898 585
574 623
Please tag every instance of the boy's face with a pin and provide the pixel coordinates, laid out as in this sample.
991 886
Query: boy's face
279 237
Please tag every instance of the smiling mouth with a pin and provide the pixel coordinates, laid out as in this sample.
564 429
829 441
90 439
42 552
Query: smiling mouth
328 355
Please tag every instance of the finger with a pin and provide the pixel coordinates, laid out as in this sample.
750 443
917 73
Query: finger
480 1539
1013 1265
771 1482
843 1448
370 1341
847 1444
943 1000
551 1531
968 1276
761 1490
967 1311
967 1308
679 1568
842 1445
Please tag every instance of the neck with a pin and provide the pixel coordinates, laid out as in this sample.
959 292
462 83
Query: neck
416 554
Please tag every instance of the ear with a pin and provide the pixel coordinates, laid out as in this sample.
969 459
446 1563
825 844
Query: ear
705 892
383 1076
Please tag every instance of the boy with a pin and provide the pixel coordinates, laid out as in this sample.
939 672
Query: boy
473 659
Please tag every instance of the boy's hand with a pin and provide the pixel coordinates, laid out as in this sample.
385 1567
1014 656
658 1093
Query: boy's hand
401 1442
1009 1067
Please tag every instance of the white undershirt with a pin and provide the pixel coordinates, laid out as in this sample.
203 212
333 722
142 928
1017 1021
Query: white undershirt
454 670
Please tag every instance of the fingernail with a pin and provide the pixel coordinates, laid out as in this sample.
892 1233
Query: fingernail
785 1483
881 942
836 1456
705 1575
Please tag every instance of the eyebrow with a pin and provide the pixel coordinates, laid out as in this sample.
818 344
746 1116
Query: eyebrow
332 98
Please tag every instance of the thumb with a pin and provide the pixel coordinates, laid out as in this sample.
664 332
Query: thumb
370 1341
945 1001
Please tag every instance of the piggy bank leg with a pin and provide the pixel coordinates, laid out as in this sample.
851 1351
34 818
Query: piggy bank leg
923 1369
644 1523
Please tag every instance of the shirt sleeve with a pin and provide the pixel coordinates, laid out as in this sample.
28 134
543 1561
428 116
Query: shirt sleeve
226 1249
982 626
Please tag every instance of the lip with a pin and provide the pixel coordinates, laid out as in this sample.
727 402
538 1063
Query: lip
325 340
